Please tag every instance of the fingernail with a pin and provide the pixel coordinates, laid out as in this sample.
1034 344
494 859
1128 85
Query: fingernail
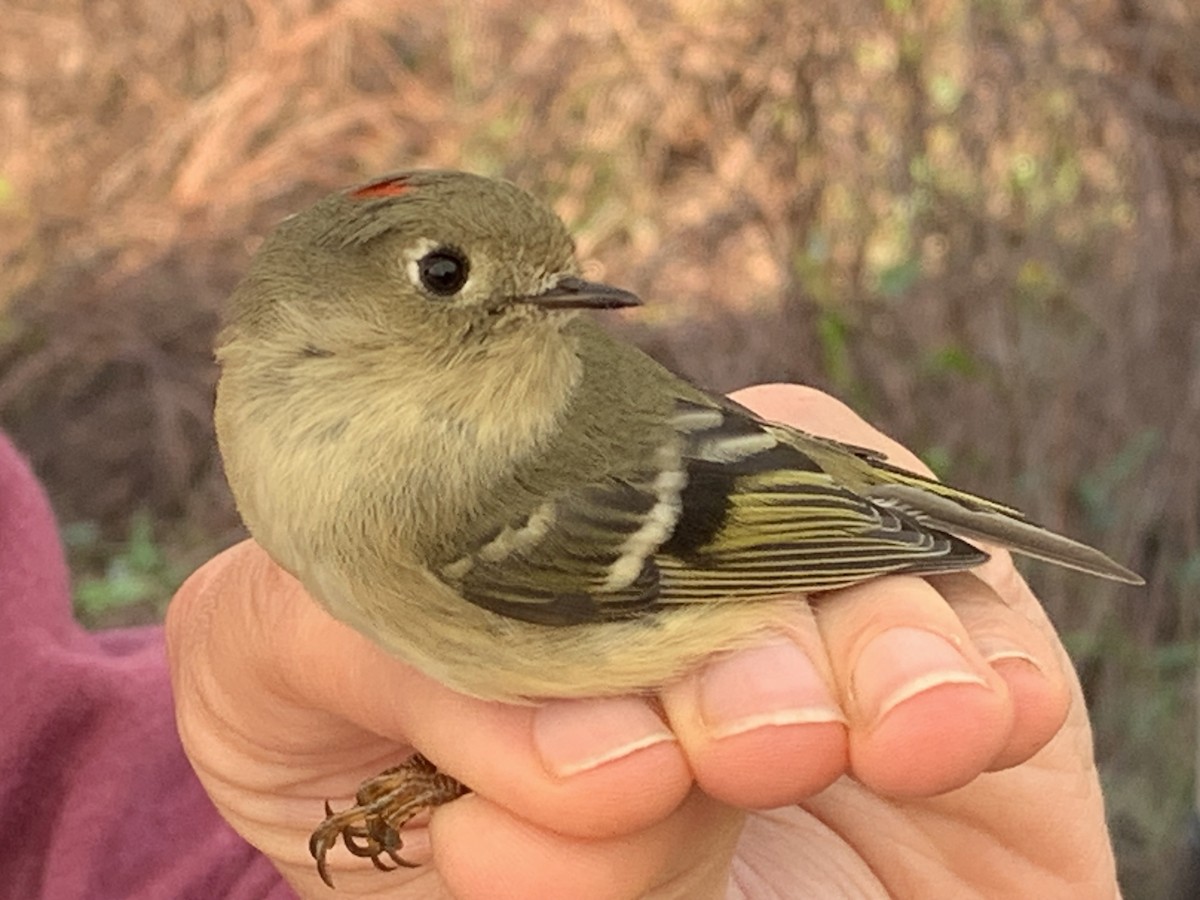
770 685
903 662
573 736
997 649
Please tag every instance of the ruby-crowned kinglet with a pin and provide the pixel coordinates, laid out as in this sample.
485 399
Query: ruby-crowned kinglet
417 423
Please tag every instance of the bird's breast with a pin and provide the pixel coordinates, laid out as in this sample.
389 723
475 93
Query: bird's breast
401 451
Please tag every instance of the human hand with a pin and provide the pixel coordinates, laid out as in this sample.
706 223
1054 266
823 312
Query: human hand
950 757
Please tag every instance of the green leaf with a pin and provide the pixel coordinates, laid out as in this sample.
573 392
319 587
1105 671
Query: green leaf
951 359
896 280
833 334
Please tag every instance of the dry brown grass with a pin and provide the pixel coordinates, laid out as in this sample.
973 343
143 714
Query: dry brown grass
979 222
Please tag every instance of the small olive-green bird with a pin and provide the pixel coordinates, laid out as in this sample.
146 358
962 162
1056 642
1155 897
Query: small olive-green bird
417 423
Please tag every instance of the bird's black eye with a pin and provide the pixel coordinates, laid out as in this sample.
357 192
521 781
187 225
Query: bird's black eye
443 271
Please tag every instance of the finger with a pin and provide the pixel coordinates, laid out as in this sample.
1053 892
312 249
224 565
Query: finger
306 685
487 853
761 727
1022 653
816 411
926 712
1021 648
923 679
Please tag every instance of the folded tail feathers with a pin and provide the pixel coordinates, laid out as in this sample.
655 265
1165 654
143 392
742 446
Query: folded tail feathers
995 523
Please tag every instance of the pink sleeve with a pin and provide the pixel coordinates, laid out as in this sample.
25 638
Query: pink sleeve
96 798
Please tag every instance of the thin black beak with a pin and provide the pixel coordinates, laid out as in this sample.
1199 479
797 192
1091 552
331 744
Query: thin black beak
575 293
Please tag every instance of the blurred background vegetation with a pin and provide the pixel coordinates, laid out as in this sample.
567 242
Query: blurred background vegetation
978 221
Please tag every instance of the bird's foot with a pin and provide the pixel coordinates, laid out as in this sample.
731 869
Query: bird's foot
383 804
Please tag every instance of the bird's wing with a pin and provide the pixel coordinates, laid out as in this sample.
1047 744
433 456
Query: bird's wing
726 509
942 507
763 513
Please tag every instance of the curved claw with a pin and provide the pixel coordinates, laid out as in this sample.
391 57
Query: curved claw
385 803
318 846
365 849
381 865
